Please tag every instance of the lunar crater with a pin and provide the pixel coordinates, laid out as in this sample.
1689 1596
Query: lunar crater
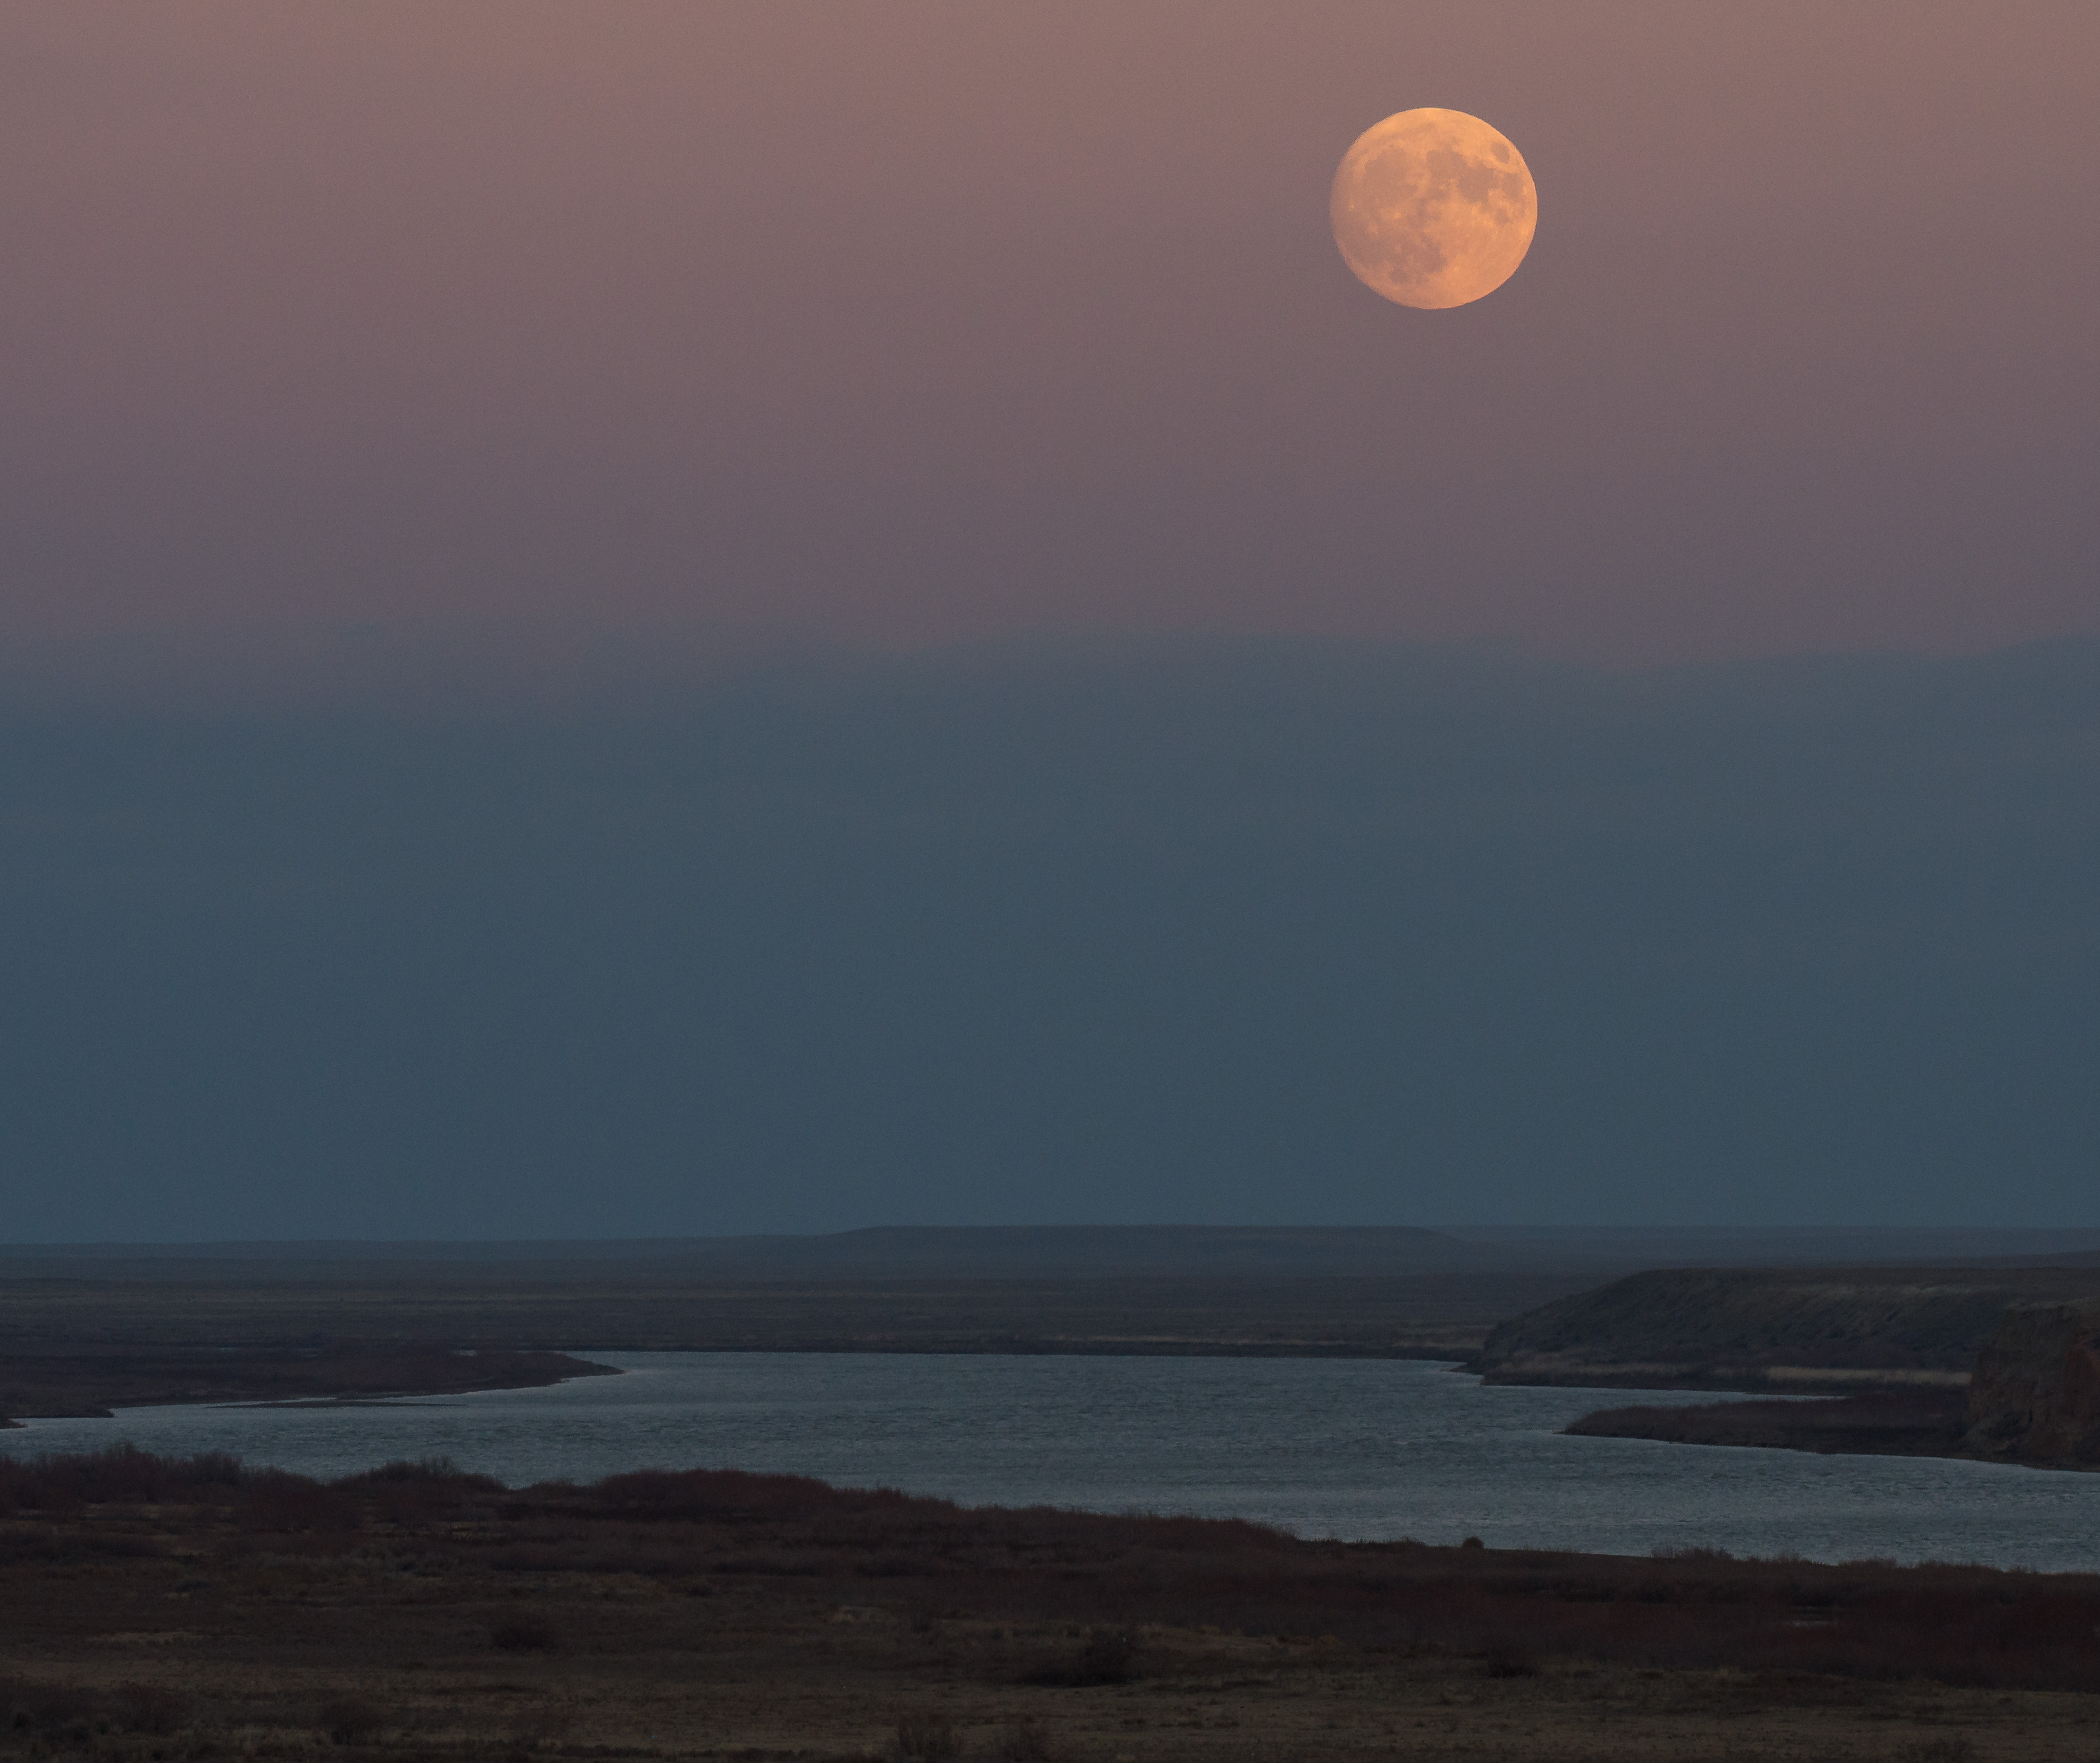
1433 208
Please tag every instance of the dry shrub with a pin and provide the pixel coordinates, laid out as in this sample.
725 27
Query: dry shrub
64 1483
24 1489
543 1725
892 1567
736 1494
60 1538
412 1494
1506 1659
349 1719
928 1736
1106 1656
523 1634
46 1709
157 1708
1109 1656
437 1473
278 1502
1025 1742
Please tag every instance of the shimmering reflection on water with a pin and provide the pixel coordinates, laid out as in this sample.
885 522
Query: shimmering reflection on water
1336 1448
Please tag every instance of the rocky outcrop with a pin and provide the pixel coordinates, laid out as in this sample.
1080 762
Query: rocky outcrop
2034 1397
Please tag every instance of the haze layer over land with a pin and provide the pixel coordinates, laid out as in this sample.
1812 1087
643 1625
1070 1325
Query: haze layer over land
687 619
1201 932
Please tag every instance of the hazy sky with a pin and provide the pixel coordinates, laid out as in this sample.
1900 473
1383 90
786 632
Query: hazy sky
1070 708
904 322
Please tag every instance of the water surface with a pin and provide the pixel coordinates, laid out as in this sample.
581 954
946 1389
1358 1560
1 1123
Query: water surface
1354 1448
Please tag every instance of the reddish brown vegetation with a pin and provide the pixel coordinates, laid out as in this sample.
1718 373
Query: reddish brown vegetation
1100 1576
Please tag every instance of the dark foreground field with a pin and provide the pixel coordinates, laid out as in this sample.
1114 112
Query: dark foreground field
157 1610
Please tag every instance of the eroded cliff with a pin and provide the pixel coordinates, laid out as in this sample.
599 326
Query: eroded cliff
2034 1396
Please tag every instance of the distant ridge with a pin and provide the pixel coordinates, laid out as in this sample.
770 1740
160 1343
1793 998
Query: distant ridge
1066 1252
1786 1245
894 1251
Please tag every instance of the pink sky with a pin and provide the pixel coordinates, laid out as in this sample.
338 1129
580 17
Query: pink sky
905 323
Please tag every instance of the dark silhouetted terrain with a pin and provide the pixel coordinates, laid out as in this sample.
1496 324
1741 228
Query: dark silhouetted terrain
77 1344
84 1328
2032 1394
179 1610
2035 1395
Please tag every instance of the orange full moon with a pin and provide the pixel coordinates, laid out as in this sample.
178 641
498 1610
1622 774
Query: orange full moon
1433 208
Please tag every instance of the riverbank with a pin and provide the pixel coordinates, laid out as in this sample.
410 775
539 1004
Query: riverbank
83 1336
60 1385
1923 1422
1833 1331
2034 1398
